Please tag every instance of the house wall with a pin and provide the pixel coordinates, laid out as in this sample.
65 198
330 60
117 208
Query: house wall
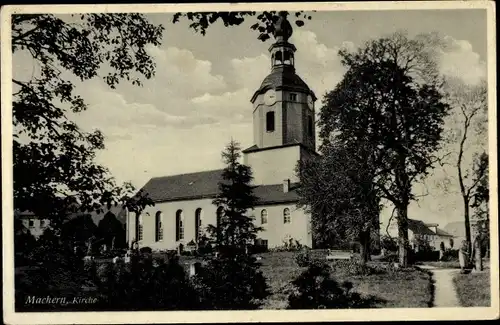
275 231
37 228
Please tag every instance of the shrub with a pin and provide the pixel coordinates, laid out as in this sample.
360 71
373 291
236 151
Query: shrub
450 255
146 285
146 250
315 289
303 258
231 283
388 243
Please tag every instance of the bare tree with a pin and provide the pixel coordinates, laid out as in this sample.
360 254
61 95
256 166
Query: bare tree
467 138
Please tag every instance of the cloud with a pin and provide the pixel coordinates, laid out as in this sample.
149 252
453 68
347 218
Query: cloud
318 64
458 59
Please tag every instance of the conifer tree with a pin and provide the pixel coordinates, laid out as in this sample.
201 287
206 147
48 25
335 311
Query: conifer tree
232 280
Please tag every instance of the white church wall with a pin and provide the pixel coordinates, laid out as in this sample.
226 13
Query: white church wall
274 165
275 231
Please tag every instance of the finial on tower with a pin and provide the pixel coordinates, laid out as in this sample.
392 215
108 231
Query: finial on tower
282 29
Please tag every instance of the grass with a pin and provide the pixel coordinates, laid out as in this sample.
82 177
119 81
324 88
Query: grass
410 288
444 265
473 289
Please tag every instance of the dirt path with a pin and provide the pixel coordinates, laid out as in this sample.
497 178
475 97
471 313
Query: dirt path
445 294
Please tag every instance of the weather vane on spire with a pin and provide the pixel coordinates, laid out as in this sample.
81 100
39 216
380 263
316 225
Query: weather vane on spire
282 29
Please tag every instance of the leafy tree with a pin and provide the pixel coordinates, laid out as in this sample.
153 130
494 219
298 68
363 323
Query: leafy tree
345 204
265 24
232 280
79 229
466 137
389 98
54 167
480 202
112 231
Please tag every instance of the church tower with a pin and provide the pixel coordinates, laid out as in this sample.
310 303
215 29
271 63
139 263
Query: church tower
283 115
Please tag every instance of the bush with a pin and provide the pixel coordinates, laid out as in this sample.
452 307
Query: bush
424 256
146 250
315 289
231 283
450 255
303 258
146 284
353 267
388 243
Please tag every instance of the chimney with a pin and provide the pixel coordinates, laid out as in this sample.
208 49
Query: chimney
286 186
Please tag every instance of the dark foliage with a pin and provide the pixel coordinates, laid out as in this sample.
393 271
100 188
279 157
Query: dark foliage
303 258
265 24
315 289
389 100
345 204
235 228
232 280
450 255
231 283
145 284
55 173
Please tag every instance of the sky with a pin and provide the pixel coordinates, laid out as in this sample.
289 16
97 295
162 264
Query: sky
199 99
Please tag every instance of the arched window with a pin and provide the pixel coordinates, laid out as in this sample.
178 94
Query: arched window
278 58
179 225
286 215
310 126
263 217
270 121
139 232
159 226
288 58
198 228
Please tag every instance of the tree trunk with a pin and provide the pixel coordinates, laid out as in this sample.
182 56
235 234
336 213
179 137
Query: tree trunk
364 252
467 222
478 261
402 213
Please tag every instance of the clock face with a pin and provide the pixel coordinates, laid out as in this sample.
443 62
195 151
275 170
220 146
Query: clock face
310 102
270 97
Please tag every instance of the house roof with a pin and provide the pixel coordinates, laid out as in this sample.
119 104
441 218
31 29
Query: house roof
255 148
419 227
203 185
441 232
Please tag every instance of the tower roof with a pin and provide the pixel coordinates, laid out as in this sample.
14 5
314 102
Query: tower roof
283 77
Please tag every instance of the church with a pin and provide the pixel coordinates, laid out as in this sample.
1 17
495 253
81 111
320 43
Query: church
283 133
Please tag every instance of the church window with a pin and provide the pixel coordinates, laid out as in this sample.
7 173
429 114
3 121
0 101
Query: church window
198 229
270 121
159 226
293 97
139 227
179 225
278 58
287 58
286 215
310 126
31 223
263 217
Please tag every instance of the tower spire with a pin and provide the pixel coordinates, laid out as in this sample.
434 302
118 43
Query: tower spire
282 52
